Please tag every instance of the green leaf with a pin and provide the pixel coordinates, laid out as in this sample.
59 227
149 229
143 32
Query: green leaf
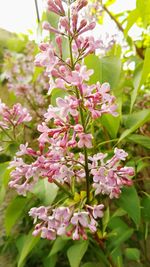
140 139
146 67
131 20
117 257
145 204
111 124
58 246
45 191
134 121
106 69
136 82
4 179
76 253
13 212
141 76
111 70
144 9
121 233
130 202
50 261
132 254
57 93
119 212
123 237
93 62
105 219
91 264
30 242
110 2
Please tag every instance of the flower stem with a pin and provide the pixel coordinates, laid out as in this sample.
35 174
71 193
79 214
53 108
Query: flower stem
81 116
101 244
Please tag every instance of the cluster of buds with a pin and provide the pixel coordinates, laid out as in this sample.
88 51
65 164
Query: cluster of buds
64 155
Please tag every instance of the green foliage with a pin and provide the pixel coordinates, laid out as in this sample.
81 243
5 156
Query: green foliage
132 254
131 20
13 212
76 252
140 139
134 121
129 195
29 243
105 69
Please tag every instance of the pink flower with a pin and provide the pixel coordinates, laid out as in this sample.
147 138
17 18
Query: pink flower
67 105
80 218
51 113
23 150
65 174
76 235
120 154
97 211
56 7
38 213
47 58
2 107
85 140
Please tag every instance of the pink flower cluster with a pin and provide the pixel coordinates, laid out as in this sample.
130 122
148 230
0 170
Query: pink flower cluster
64 155
110 176
66 221
14 116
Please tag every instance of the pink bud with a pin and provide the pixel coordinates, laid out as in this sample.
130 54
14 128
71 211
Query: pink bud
78 128
81 4
59 43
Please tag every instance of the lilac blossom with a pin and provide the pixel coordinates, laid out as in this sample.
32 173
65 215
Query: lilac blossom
65 129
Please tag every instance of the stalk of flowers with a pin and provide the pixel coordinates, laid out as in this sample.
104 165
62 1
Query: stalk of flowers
56 159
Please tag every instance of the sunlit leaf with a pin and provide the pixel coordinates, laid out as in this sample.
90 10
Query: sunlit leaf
106 69
131 20
141 76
